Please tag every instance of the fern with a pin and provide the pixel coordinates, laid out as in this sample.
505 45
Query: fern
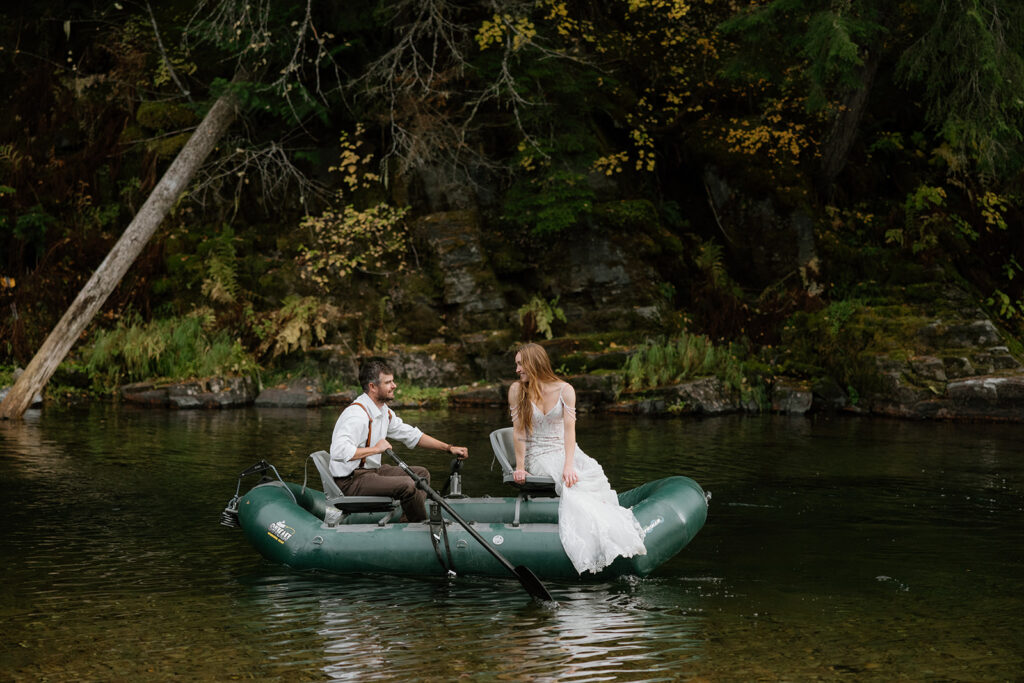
221 281
659 362
537 315
173 348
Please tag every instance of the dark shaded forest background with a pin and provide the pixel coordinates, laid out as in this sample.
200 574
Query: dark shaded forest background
888 133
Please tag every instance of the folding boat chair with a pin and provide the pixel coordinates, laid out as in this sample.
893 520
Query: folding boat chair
505 454
347 505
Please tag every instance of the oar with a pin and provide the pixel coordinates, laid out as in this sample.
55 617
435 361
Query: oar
526 577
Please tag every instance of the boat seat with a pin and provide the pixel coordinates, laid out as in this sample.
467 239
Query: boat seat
349 504
505 454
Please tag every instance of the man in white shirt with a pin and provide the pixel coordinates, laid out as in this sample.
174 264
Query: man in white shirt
360 436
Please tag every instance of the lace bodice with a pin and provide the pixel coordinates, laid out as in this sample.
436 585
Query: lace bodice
548 437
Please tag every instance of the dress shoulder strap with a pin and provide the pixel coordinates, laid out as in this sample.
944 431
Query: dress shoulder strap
568 410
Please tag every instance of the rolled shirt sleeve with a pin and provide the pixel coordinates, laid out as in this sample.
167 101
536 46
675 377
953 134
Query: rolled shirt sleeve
406 433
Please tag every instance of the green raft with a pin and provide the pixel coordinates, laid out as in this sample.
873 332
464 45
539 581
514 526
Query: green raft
306 529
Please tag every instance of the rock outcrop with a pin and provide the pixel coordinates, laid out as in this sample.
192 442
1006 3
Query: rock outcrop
212 392
958 367
301 392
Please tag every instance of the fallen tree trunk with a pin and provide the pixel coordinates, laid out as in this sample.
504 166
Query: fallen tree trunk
121 256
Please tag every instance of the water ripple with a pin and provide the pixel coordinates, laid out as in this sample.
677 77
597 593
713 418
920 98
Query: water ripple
833 548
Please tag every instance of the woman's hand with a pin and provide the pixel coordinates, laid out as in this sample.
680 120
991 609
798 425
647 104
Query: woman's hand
519 476
569 476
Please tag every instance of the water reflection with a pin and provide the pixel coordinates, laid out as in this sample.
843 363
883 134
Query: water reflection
441 630
873 548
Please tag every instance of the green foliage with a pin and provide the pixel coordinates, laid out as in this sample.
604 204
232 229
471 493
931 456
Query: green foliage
221 281
550 203
662 362
32 228
835 43
205 259
826 40
928 220
839 313
629 214
173 348
434 396
296 326
565 107
968 58
1007 305
374 241
165 116
261 98
833 342
537 315
710 260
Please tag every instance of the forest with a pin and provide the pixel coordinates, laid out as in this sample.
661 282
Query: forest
793 176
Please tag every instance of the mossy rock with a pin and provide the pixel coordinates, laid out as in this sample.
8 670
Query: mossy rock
588 361
500 341
131 133
168 147
165 116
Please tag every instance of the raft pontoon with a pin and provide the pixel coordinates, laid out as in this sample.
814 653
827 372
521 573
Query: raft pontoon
307 529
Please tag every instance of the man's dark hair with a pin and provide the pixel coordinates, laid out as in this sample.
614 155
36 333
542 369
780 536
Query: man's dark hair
371 370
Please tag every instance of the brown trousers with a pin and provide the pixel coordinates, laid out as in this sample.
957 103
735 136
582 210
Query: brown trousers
389 480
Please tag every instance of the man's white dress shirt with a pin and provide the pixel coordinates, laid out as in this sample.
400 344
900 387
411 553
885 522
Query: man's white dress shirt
357 428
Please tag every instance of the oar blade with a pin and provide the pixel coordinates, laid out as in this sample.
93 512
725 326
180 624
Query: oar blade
532 584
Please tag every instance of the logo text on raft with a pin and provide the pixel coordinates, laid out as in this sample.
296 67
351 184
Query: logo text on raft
280 532
653 524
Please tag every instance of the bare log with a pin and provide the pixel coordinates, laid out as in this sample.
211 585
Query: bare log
121 256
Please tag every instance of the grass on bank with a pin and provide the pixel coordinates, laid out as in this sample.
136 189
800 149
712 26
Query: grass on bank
168 348
661 362
186 347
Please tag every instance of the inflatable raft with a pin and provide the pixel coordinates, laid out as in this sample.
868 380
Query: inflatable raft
306 529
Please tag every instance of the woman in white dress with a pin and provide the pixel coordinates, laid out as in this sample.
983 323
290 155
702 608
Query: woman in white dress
593 527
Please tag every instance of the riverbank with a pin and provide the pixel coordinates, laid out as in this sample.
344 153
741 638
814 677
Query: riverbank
993 396
916 353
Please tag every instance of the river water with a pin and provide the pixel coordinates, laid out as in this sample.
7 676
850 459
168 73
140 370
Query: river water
840 548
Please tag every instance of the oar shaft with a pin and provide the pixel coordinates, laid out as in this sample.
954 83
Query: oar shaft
527 578
436 497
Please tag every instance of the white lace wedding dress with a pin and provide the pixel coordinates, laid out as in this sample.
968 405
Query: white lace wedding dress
593 527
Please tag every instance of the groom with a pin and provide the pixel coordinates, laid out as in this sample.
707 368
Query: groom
360 436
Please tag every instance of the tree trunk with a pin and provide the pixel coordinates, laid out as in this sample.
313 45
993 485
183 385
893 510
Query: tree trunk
120 258
845 126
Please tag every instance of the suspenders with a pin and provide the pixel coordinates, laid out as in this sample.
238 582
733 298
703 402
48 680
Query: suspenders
369 428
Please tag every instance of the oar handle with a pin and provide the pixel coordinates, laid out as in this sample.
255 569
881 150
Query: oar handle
526 577
436 497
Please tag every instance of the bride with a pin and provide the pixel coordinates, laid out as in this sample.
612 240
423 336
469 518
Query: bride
593 527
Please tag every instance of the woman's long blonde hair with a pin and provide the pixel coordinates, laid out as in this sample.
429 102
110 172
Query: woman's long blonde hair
537 365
